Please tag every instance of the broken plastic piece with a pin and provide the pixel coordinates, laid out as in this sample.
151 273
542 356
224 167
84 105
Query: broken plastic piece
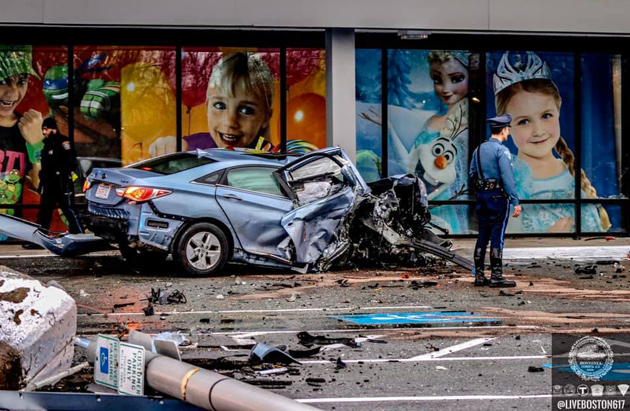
263 352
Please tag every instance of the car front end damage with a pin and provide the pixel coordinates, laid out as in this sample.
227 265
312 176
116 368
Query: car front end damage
356 224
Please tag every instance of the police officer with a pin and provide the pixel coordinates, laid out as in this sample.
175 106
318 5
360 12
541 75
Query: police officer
491 168
56 177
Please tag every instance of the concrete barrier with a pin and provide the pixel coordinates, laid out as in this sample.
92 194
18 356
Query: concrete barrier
37 329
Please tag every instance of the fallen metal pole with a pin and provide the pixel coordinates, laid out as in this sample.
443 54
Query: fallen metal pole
207 389
53 379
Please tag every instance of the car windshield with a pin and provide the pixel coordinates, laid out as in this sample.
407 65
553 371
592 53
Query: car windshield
173 163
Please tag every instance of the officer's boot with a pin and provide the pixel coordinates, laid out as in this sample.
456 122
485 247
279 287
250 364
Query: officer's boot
497 280
480 277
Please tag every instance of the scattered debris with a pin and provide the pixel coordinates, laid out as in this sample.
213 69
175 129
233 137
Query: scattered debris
439 367
82 293
340 364
414 285
619 268
315 382
535 369
220 297
280 370
506 294
148 310
263 352
305 353
309 340
159 296
588 269
117 306
292 298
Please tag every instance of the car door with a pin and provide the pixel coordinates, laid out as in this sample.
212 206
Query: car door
323 186
255 204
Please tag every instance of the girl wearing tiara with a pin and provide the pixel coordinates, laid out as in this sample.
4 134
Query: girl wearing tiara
544 167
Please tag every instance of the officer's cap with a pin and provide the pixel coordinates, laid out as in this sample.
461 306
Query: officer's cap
500 121
49 122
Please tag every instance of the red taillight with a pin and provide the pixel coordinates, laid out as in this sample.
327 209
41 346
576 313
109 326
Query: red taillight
142 193
86 185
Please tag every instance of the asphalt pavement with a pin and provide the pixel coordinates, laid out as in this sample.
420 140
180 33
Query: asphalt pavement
427 339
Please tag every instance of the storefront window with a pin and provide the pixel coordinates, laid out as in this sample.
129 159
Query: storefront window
229 98
32 87
369 129
428 124
124 100
538 91
306 100
601 136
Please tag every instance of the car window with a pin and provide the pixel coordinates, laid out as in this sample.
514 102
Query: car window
260 179
317 179
318 167
210 178
173 163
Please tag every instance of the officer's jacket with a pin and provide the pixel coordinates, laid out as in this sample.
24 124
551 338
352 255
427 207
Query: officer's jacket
496 162
58 160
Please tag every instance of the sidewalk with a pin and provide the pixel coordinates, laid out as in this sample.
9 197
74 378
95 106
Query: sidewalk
515 249
585 249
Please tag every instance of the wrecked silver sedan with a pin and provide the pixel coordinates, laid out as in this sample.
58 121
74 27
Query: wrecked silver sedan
208 207
213 206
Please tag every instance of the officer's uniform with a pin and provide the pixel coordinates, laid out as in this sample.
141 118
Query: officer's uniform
56 185
491 168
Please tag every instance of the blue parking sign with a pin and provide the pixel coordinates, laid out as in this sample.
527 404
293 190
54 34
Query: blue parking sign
104 360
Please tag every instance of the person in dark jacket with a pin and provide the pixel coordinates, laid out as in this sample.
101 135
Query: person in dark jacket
491 167
56 177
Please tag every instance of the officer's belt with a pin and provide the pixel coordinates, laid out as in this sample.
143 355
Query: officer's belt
487 184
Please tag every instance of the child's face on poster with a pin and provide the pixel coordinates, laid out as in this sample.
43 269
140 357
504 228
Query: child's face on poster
12 92
236 120
450 80
535 123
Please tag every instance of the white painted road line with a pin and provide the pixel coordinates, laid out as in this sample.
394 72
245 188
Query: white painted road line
244 334
432 398
452 349
287 310
426 359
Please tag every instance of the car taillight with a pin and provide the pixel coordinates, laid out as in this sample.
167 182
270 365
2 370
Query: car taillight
86 185
142 193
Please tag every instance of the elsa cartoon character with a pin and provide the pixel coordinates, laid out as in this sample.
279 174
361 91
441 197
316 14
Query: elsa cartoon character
544 167
439 153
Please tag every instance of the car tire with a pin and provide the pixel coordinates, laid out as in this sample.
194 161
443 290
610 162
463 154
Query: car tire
202 250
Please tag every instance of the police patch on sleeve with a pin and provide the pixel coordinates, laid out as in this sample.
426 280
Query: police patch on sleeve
66 145
507 153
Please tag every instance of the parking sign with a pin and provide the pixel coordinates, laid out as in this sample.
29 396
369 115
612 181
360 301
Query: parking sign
131 369
106 361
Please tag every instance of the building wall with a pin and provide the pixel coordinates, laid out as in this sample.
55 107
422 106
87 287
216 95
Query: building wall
579 16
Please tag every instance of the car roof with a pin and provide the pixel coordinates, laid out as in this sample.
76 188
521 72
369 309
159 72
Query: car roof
243 157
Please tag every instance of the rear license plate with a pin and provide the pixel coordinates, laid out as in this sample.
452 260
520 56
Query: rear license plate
102 191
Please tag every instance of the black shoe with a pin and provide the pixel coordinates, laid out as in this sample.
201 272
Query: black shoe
496 279
500 282
481 281
32 246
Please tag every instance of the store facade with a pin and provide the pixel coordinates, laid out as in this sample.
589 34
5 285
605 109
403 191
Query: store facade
132 92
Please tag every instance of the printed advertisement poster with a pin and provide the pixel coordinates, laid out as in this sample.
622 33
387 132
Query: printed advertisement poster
427 123
538 91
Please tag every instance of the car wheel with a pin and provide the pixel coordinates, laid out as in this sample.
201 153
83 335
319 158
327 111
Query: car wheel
202 250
